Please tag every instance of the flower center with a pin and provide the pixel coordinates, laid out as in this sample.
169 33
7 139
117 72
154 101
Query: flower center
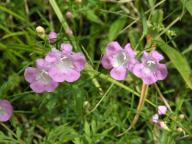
120 59
151 65
43 77
65 63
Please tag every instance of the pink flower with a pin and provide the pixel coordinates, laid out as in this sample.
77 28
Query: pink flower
119 60
39 79
52 37
6 110
150 70
66 65
155 118
162 110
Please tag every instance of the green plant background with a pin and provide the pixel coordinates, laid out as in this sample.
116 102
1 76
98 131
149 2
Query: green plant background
96 108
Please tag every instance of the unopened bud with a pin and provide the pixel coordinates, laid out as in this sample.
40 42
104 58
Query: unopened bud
52 37
179 129
181 116
163 125
86 106
155 118
69 15
69 32
162 110
40 32
78 1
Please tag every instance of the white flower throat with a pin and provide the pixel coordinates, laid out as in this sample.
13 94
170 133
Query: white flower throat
120 59
151 65
43 77
65 63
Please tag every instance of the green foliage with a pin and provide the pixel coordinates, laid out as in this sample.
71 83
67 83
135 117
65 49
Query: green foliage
96 108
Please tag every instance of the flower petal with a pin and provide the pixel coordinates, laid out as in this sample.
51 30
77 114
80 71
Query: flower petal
156 55
71 75
7 108
129 50
50 87
40 63
30 74
149 79
162 72
119 73
56 74
145 56
112 48
79 61
137 70
106 62
37 87
53 55
66 48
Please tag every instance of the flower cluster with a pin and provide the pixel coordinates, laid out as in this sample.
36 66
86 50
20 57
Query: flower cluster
6 110
57 66
155 118
120 61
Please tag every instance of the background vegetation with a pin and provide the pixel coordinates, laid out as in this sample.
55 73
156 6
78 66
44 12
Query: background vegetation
96 108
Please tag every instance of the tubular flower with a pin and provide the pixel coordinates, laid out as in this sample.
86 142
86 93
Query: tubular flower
119 60
150 70
66 65
39 79
6 110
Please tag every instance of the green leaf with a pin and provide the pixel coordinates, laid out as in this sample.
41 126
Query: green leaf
134 37
179 62
115 28
90 14
188 5
157 16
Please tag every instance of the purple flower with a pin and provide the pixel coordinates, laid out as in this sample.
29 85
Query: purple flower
6 110
162 110
155 118
150 70
119 60
66 65
38 77
52 37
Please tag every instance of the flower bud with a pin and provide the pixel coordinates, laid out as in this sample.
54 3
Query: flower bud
52 37
86 106
162 110
181 116
78 1
69 15
155 118
163 125
40 32
69 32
